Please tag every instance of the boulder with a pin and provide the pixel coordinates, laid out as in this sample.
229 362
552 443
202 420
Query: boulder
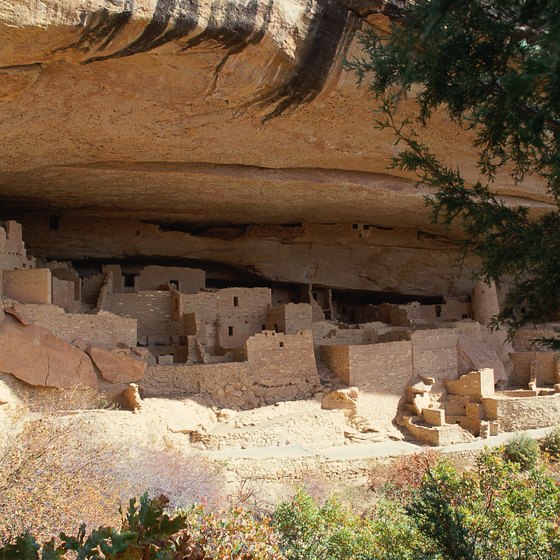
117 366
346 399
473 354
36 356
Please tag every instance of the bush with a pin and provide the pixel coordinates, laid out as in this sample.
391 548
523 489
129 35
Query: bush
403 476
522 450
550 444
309 531
146 532
493 512
236 533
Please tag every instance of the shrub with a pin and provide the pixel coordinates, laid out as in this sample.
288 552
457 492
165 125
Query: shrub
493 512
404 475
51 477
236 533
146 532
550 444
309 531
523 450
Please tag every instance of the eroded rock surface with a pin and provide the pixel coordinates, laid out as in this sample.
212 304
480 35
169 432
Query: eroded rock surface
117 366
37 357
193 111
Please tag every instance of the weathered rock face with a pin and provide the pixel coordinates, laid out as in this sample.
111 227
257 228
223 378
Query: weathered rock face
474 354
117 366
201 111
37 357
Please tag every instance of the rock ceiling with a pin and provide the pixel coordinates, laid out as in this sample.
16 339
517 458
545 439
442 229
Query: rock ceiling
200 111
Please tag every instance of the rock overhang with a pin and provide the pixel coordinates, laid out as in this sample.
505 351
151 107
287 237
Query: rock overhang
203 112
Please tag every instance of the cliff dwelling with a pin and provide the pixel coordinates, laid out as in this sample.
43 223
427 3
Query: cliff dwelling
195 209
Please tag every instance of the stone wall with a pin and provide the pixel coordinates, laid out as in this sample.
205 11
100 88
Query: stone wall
289 318
546 367
523 413
28 285
12 249
102 328
226 318
435 355
63 295
282 360
278 367
186 280
91 287
380 371
151 308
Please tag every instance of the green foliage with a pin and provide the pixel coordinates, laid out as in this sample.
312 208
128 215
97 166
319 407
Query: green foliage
330 531
491 513
523 450
494 68
550 444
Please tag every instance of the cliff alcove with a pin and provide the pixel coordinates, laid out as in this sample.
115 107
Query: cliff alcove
194 199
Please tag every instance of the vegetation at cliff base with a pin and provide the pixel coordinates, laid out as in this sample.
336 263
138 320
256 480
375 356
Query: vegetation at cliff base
494 511
494 69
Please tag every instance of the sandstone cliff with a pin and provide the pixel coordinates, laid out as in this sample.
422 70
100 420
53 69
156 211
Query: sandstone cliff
221 111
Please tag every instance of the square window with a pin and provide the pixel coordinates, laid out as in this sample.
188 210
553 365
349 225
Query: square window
129 280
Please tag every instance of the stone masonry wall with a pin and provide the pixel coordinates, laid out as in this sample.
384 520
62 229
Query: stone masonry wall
435 355
523 413
228 384
91 286
103 328
279 367
63 294
28 285
282 360
151 308
189 280
546 367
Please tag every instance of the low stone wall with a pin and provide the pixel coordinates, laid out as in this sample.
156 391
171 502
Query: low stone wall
102 328
523 413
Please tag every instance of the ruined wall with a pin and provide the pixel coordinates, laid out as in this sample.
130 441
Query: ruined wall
151 308
289 318
28 285
547 363
283 365
91 286
12 248
63 295
185 280
228 384
226 318
523 413
380 371
435 355
278 367
103 328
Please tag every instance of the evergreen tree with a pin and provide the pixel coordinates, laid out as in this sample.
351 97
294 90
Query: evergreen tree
494 68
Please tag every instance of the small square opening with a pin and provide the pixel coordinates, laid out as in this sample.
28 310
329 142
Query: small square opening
129 280
174 284
281 345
